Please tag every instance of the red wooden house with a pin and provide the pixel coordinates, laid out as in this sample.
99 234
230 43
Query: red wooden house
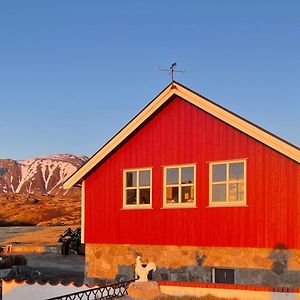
202 192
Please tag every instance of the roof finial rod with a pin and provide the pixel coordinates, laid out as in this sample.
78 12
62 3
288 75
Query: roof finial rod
171 70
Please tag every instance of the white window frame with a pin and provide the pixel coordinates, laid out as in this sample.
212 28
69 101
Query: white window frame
137 188
227 182
179 185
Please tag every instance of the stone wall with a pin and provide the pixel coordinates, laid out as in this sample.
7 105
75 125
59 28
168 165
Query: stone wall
279 266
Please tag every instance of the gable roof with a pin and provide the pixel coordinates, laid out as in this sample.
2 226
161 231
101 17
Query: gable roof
203 103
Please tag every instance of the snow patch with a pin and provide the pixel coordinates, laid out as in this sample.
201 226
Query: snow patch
53 168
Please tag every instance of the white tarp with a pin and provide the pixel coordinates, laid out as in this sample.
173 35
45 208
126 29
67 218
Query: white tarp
17 291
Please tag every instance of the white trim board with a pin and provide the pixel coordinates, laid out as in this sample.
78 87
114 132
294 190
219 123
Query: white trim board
199 101
82 211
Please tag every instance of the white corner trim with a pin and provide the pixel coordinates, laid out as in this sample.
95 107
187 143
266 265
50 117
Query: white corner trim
82 210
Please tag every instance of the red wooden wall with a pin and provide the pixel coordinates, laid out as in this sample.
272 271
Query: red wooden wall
182 133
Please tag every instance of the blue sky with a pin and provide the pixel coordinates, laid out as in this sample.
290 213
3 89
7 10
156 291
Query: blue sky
72 73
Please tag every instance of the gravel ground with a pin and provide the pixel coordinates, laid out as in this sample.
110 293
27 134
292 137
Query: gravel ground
65 268
53 266
12 232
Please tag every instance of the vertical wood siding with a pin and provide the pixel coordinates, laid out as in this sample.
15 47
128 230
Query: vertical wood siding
180 134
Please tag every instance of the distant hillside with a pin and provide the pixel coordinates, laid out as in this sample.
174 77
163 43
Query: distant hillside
40 176
29 209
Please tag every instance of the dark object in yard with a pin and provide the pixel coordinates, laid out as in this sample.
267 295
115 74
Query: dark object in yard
71 240
65 247
7 261
23 272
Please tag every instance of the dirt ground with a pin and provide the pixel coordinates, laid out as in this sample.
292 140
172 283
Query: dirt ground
36 235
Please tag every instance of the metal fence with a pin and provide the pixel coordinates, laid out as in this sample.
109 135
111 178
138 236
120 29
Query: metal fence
111 291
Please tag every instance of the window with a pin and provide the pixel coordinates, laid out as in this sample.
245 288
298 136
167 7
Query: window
227 183
137 188
179 186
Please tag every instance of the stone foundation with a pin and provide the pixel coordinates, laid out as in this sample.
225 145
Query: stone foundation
278 266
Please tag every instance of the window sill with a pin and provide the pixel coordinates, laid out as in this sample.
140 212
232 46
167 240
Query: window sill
227 205
178 207
135 208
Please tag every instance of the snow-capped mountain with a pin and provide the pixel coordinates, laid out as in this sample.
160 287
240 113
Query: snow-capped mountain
42 175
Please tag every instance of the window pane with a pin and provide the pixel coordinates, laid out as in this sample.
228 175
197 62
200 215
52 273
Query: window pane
187 194
187 175
144 178
130 196
218 192
219 173
172 176
131 179
144 196
172 194
236 171
236 192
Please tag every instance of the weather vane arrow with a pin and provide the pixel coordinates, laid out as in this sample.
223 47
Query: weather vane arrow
171 70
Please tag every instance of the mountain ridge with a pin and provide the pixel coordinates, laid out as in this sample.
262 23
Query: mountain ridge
40 175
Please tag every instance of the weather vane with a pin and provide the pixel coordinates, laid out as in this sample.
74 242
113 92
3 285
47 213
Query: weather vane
171 70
